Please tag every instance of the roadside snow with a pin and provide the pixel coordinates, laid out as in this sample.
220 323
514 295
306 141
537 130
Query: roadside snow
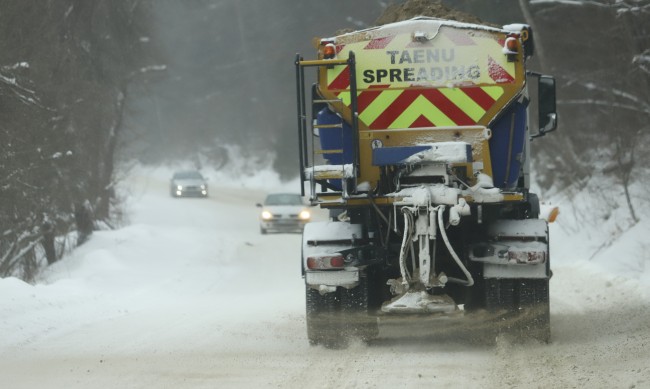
595 226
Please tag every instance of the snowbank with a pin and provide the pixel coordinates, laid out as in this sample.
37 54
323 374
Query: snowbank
595 226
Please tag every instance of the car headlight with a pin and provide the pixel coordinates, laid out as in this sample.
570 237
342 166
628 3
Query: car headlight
304 215
266 215
203 187
179 187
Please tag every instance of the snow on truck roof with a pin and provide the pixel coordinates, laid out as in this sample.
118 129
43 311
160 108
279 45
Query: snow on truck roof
436 23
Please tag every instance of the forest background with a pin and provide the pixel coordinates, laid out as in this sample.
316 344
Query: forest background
86 86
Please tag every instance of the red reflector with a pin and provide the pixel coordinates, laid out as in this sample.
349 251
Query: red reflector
337 261
334 261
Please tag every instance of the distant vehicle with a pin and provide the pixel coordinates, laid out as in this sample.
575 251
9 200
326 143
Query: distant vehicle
283 212
188 183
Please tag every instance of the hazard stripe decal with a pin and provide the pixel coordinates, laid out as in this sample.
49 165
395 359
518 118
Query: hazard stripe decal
422 121
368 96
451 110
441 107
342 80
381 108
493 91
422 107
480 97
461 99
379 43
498 73
379 105
397 107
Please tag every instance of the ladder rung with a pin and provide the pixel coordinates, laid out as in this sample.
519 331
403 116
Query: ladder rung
337 151
323 62
340 125
328 172
328 175
328 101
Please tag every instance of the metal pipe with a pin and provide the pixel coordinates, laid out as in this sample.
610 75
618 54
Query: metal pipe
304 116
355 118
299 93
405 247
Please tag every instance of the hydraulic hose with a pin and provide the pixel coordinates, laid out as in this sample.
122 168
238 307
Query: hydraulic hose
470 280
406 237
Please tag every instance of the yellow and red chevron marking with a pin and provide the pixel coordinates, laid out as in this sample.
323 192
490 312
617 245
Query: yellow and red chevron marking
455 76
341 81
498 73
381 108
379 43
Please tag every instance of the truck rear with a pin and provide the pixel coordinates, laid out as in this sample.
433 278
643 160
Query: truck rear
416 138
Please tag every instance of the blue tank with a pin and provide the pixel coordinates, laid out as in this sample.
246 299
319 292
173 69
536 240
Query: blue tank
335 138
507 146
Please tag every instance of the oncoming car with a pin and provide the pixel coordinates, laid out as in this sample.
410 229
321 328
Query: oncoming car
188 183
283 212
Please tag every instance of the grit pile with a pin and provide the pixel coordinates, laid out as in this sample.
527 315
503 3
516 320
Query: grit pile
432 8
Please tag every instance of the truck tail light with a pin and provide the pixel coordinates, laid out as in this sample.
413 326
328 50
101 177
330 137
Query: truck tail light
530 257
320 262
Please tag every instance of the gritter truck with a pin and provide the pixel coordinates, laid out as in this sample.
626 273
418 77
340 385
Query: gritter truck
415 136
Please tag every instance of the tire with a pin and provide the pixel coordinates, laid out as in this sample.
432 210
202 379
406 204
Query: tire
333 319
323 319
534 310
521 307
263 231
533 203
359 322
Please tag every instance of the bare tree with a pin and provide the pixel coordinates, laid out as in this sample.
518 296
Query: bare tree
65 66
604 91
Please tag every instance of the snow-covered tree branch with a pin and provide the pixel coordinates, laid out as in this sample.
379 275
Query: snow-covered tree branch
64 71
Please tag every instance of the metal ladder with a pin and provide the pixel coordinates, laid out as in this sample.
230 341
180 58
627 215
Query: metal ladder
308 171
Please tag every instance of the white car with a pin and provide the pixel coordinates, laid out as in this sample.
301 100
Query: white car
283 212
188 183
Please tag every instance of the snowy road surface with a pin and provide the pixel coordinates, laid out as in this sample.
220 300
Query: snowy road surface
190 295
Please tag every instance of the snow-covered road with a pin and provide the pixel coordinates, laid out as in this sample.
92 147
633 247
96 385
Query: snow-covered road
190 295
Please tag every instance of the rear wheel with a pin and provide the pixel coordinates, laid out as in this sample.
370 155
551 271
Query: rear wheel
335 318
522 306
358 321
535 309
322 316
